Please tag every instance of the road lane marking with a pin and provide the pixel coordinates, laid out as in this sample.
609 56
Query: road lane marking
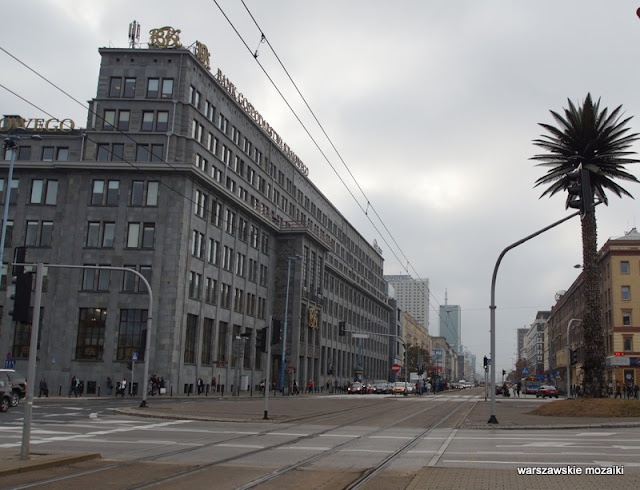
443 448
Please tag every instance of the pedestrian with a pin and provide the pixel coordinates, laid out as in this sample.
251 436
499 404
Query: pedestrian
635 391
262 387
123 387
44 389
309 386
214 384
73 387
518 387
109 385
295 387
428 387
200 385
163 385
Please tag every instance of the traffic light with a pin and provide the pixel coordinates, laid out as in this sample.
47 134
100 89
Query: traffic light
261 340
19 257
276 325
574 356
504 372
129 366
580 192
21 297
486 362
342 329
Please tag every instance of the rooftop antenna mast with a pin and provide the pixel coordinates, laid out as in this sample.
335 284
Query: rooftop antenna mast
134 34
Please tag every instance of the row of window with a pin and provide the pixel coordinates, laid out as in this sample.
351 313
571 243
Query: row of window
101 234
47 153
125 87
226 218
114 152
223 296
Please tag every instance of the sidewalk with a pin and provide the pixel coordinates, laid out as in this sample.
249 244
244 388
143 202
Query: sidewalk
511 414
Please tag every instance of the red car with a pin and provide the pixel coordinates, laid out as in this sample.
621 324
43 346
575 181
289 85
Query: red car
547 391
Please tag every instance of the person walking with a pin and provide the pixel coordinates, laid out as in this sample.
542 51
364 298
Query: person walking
109 385
73 387
214 385
518 388
123 387
44 389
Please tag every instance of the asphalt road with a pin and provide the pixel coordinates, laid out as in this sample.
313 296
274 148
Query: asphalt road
333 447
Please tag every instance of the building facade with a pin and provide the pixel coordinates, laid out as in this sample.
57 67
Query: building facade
412 296
451 325
178 177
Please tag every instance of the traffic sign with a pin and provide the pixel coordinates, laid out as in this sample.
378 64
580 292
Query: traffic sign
395 368
525 370
134 357
10 364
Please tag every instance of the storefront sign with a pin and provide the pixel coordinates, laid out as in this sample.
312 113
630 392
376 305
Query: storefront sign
36 124
255 115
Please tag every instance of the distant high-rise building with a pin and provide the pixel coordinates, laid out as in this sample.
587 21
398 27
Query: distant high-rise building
451 325
522 336
412 296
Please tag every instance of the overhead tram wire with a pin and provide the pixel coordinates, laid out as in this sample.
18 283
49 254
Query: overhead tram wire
264 38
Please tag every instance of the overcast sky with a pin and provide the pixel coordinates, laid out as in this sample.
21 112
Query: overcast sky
432 105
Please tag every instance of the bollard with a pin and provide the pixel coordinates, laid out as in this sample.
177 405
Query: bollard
98 390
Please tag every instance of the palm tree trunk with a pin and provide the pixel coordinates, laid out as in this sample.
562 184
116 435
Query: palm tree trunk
593 334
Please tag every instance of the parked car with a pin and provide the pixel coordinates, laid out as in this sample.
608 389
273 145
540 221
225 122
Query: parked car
355 388
547 391
5 396
18 385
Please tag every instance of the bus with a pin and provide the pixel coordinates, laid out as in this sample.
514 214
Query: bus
530 385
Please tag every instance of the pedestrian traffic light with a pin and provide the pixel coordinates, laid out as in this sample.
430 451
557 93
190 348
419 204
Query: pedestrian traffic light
261 340
342 329
573 356
580 192
21 297
276 325
129 366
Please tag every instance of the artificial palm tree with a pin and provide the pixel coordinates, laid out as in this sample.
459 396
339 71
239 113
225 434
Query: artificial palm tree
588 138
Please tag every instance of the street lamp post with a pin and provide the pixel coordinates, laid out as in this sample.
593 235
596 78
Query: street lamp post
569 357
284 327
492 307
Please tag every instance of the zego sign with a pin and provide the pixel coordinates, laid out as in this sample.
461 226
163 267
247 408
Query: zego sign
36 124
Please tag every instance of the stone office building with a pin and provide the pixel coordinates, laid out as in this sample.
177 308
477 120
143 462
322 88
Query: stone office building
179 177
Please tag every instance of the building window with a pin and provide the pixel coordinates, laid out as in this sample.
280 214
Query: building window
627 344
95 279
153 88
91 327
132 334
140 235
207 340
115 86
105 192
225 295
227 258
31 234
147 121
138 193
626 293
190 339
626 318
47 153
213 255
109 120
162 122
123 120
129 87
200 204
211 291
197 244
223 334
44 192
195 282
624 267
149 153
167 88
